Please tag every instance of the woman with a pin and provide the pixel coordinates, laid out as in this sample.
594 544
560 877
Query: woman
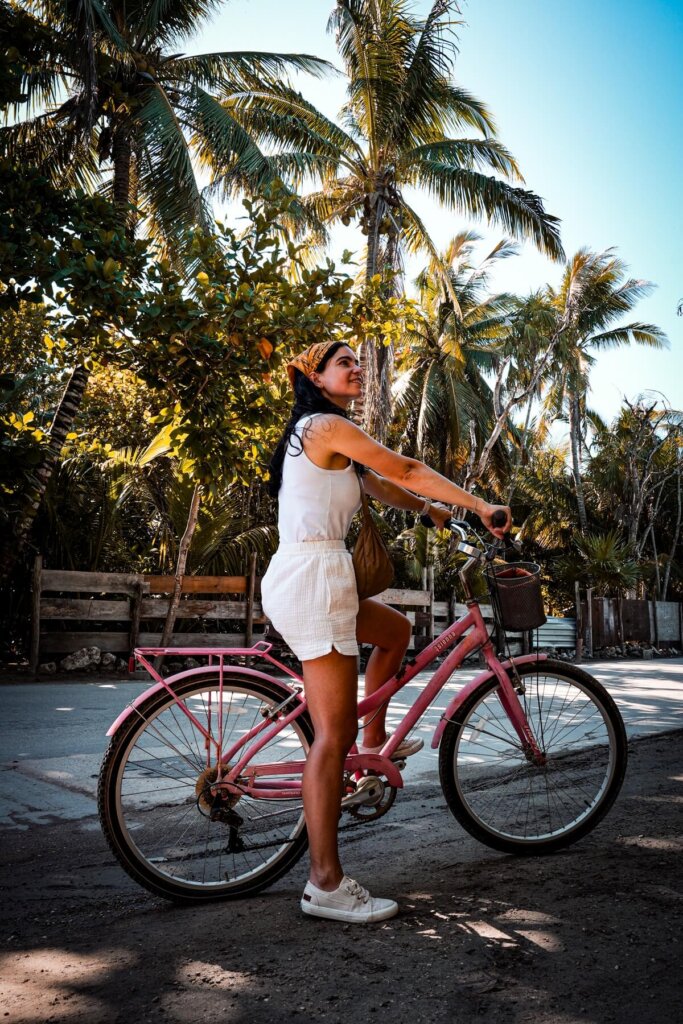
309 593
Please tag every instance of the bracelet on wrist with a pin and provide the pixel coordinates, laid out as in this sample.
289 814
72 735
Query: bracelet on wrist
425 508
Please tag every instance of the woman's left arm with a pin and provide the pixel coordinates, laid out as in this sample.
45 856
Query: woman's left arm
398 497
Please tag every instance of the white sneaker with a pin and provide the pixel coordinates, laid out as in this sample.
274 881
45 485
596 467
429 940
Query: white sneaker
404 749
349 902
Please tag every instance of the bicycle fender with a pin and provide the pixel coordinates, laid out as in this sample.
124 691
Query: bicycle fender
228 670
526 659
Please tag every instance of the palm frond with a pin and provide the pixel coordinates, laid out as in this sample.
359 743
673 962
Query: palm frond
236 70
640 333
167 181
519 212
466 153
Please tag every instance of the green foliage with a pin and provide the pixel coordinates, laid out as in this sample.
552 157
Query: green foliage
601 561
119 108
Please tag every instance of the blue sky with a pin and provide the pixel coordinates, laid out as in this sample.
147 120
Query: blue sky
588 96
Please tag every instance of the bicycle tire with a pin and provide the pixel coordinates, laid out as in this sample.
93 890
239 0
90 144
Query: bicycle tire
153 805
513 805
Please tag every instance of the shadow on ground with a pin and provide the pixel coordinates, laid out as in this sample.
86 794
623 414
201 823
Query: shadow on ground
591 934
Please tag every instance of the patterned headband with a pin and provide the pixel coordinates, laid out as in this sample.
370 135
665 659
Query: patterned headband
309 360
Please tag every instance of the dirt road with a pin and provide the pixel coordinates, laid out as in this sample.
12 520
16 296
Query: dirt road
592 934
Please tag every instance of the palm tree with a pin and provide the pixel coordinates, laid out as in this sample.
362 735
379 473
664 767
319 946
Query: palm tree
120 103
442 389
594 293
405 124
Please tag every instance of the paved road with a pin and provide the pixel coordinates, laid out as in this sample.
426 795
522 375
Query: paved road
52 735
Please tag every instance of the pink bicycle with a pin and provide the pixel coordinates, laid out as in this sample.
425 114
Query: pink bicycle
200 789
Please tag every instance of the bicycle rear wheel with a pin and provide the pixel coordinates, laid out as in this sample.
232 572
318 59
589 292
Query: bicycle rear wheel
155 804
506 800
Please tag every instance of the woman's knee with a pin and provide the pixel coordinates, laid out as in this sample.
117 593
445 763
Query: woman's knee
405 631
336 739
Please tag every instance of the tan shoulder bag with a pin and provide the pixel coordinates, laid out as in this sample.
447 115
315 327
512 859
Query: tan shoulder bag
371 560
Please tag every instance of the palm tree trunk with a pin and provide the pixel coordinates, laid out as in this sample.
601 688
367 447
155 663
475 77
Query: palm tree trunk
520 451
677 534
575 440
122 158
62 423
376 358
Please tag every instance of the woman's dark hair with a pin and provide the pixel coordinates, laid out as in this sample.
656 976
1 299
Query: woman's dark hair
307 399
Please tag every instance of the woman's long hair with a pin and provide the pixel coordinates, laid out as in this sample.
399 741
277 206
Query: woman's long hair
307 399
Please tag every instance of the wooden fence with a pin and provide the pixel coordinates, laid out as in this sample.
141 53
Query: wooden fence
120 611
613 621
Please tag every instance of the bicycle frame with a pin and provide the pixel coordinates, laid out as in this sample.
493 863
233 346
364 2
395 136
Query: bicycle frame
238 756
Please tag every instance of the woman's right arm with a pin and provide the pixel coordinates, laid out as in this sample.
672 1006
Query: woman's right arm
345 437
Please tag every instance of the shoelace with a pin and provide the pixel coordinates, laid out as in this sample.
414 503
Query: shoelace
356 889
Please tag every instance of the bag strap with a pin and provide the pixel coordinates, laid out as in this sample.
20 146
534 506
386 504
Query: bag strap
365 507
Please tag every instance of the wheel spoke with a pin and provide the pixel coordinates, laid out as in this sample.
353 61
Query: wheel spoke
158 812
508 799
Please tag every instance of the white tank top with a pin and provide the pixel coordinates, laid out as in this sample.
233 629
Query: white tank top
314 503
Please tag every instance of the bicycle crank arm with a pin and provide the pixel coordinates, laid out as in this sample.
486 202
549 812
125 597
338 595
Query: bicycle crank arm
369 790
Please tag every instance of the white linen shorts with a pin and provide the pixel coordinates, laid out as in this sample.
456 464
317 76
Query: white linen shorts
309 594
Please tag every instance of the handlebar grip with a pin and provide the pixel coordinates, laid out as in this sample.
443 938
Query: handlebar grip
429 522
499 518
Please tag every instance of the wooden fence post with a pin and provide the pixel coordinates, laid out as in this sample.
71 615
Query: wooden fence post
620 617
579 622
34 656
589 622
249 620
141 588
655 623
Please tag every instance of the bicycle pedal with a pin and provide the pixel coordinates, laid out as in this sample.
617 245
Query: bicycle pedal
368 789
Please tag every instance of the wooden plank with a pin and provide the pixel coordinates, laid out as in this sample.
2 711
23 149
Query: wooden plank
65 643
196 639
199 584
88 608
191 608
34 655
408 598
90 582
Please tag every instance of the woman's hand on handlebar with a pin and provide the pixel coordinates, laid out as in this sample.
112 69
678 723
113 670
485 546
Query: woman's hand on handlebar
440 515
492 518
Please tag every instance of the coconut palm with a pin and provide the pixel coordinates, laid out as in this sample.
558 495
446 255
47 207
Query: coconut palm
405 124
594 295
117 102
441 392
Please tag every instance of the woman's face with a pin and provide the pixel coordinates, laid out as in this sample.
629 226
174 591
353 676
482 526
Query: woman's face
342 379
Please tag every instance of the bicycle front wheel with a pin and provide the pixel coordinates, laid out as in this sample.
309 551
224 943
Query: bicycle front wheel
154 793
511 803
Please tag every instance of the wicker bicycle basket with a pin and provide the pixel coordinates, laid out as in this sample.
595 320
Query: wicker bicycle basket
516 595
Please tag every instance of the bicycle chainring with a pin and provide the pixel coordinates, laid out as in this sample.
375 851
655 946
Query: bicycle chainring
377 809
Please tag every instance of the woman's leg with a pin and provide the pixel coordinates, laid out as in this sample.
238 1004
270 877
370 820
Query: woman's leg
389 631
331 686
